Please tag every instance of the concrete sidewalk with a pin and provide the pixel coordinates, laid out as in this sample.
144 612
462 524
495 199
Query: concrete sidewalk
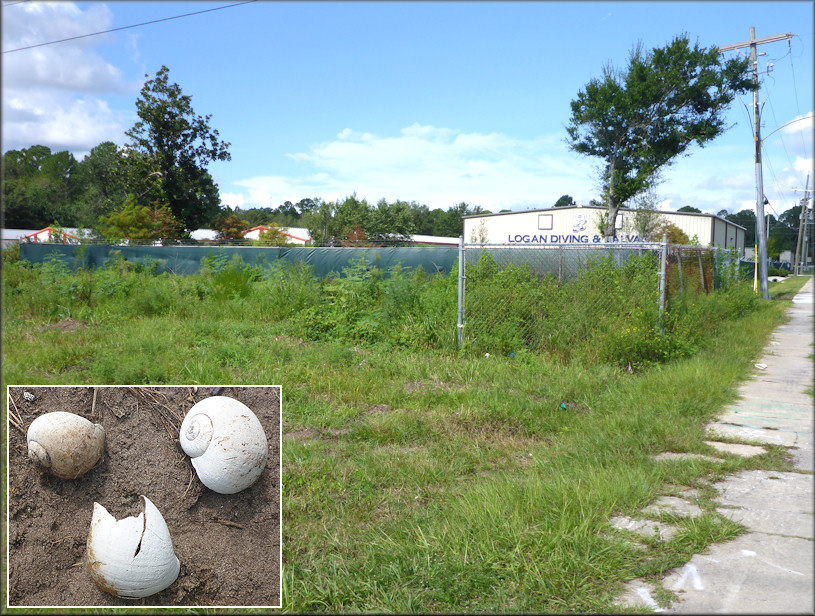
770 568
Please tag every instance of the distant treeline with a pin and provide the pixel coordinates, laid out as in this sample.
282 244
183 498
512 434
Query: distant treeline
42 188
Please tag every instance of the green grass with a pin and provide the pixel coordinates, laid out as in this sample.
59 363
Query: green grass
418 478
787 288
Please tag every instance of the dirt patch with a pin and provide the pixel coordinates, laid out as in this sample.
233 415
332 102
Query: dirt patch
228 545
378 409
412 387
66 325
302 435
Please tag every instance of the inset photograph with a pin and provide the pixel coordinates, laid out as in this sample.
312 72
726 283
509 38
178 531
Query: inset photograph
135 496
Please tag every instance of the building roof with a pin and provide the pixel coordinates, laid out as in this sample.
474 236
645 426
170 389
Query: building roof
287 231
433 239
599 207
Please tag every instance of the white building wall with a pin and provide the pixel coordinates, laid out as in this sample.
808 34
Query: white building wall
581 225
698 225
553 226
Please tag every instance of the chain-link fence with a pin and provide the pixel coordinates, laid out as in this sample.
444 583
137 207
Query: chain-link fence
554 298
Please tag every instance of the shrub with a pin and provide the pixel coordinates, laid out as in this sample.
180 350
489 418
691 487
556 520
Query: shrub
11 253
228 279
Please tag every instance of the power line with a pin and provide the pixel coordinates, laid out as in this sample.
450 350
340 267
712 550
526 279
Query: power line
155 21
795 88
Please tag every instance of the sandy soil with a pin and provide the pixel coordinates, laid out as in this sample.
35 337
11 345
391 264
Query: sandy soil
228 545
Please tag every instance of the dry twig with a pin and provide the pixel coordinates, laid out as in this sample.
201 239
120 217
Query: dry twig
71 537
166 416
228 523
189 485
14 416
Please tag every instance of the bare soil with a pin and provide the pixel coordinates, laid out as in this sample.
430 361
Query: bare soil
229 545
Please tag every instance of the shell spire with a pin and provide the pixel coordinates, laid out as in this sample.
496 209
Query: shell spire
226 444
65 444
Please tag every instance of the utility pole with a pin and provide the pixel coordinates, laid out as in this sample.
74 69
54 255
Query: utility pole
811 220
761 239
801 226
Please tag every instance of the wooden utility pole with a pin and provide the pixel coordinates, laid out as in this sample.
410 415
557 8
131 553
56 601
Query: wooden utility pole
810 221
761 239
801 226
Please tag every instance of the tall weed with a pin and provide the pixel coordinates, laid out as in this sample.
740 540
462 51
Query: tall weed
608 314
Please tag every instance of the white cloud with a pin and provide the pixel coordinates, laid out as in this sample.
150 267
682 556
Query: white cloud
805 165
800 129
435 166
233 200
441 167
51 94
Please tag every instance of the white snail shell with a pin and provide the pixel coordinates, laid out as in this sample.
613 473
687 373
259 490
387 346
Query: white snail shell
226 444
133 557
64 444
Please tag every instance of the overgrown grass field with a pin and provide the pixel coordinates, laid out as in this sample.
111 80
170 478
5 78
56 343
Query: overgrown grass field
417 477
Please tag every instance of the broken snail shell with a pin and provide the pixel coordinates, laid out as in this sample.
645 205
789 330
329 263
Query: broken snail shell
65 444
133 557
225 442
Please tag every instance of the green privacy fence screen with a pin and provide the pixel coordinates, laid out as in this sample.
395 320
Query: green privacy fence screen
187 259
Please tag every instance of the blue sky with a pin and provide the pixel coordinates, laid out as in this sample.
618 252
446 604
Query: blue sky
434 102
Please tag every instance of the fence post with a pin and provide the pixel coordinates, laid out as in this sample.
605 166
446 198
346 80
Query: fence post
460 324
716 268
663 270
701 270
679 265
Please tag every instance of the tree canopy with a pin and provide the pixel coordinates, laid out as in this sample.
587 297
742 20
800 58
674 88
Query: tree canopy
174 145
38 185
746 219
139 223
637 120
565 201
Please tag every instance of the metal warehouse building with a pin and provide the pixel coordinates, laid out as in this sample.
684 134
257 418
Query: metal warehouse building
581 225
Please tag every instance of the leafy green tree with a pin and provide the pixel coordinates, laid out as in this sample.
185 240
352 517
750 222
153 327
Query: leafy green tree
253 216
451 223
784 230
230 227
689 209
356 238
565 201
140 223
304 206
350 212
318 221
101 183
176 144
637 120
425 220
38 188
287 209
775 245
747 219
273 236
645 219
674 233
391 219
